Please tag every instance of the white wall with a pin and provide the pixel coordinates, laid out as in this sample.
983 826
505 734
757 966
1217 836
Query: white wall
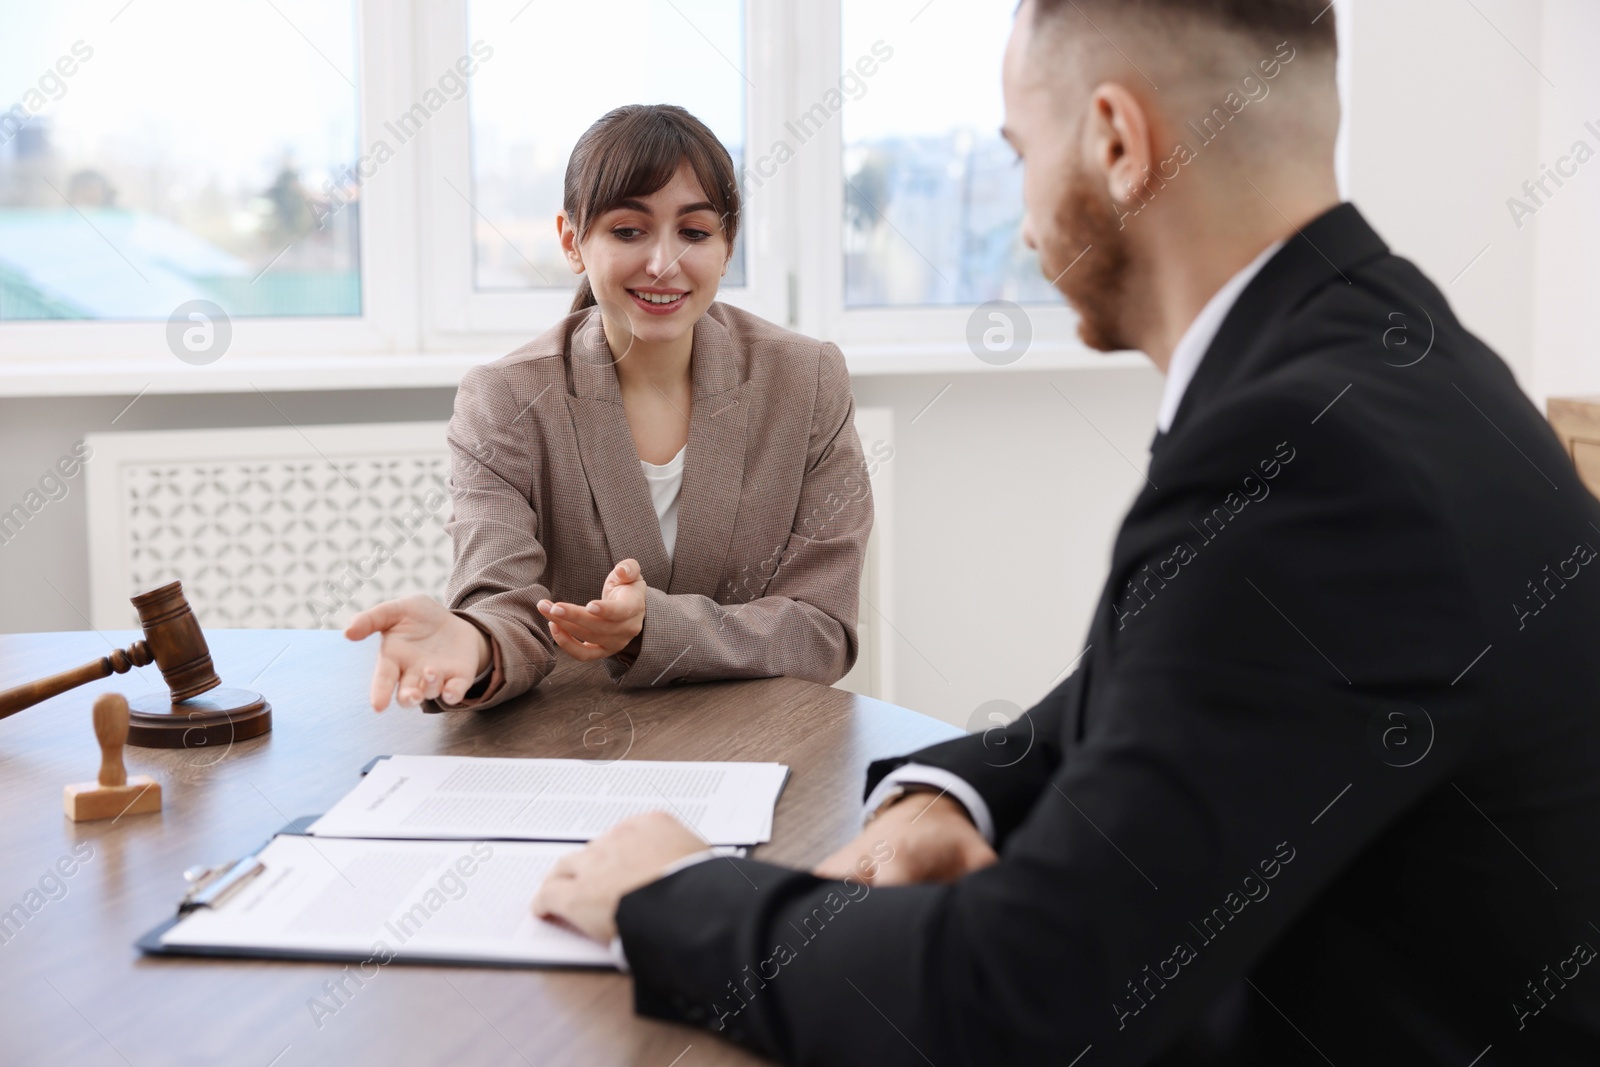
1008 498
1453 107
1567 280
1443 122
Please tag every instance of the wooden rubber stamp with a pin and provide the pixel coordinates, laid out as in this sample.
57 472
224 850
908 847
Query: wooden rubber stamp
114 793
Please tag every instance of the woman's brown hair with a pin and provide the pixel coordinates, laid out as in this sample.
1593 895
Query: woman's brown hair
633 152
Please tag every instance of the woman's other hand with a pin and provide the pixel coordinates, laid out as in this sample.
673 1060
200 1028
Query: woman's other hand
428 652
602 627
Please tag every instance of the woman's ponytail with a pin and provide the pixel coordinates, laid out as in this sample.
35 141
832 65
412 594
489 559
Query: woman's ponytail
584 297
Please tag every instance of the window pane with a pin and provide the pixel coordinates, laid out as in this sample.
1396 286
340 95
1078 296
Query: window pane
549 80
177 151
933 199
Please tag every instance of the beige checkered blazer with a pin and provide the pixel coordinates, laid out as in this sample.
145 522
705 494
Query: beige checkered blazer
772 529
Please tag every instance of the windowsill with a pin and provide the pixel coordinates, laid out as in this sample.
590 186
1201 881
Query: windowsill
867 360
63 376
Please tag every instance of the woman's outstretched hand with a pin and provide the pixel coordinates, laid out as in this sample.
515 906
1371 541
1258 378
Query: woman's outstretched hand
602 627
428 652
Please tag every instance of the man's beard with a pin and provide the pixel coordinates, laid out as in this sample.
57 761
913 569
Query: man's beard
1096 284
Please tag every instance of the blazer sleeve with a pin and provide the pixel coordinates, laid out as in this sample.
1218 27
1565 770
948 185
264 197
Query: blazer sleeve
1226 780
496 583
804 624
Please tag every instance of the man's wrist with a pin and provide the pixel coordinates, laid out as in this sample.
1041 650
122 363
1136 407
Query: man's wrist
956 788
684 862
905 791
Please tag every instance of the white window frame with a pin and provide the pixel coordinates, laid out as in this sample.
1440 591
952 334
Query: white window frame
387 243
422 320
885 340
457 313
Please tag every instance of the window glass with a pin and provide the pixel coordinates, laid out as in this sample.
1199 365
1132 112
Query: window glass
932 194
557 67
178 151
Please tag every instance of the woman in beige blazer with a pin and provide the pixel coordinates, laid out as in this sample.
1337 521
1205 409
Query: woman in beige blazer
661 482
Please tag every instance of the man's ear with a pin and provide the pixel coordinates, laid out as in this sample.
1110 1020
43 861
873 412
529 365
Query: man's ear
1118 141
568 236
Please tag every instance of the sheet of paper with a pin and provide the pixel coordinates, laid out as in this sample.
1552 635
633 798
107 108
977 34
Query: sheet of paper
477 798
380 900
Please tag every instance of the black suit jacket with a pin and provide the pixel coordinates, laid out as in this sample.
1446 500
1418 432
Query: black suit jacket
1325 787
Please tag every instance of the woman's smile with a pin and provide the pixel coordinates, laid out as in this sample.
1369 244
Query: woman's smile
659 301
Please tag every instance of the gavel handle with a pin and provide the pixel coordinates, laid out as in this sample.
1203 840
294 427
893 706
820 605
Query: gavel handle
118 662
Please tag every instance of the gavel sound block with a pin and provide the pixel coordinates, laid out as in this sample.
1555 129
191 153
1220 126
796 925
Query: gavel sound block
198 714
113 794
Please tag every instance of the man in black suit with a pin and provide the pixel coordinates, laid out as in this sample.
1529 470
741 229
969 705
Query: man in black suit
1325 787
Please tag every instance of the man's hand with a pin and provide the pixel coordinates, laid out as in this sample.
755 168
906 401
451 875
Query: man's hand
603 627
428 652
931 838
584 888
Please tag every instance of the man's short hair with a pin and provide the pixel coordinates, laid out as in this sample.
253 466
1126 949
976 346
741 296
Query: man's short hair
1307 24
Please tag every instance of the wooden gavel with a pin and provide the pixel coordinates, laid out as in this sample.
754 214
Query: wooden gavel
174 643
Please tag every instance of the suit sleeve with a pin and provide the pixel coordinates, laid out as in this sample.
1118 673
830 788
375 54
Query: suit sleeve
497 581
804 623
1006 767
1227 777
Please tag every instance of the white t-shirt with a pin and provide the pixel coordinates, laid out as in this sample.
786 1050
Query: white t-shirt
666 485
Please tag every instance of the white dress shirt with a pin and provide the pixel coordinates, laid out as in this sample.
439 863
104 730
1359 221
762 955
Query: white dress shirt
1186 357
1191 347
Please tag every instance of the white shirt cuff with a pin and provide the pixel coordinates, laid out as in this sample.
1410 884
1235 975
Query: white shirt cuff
672 868
947 783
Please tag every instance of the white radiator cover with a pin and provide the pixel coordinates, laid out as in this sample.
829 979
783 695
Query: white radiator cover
302 527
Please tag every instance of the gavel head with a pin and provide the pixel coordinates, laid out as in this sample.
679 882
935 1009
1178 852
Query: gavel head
176 644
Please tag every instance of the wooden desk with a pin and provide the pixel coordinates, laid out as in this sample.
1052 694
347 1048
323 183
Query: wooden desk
74 991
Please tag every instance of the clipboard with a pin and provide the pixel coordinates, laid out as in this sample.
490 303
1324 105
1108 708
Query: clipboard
296 897
150 942
555 947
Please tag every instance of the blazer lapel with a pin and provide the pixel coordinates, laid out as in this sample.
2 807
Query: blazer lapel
610 461
713 467
1325 252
